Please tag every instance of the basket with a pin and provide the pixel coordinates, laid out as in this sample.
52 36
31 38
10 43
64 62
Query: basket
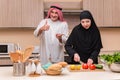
52 72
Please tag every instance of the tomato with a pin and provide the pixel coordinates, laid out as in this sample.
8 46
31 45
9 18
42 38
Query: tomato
84 66
92 67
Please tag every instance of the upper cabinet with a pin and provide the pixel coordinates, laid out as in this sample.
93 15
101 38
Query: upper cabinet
96 7
32 12
10 13
105 12
69 6
28 13
20 13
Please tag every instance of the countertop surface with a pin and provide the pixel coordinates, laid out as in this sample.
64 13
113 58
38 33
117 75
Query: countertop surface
6 73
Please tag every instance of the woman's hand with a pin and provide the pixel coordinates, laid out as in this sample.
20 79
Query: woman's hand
90 61
76 57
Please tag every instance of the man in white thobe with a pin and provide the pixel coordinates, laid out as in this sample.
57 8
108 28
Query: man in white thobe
53 33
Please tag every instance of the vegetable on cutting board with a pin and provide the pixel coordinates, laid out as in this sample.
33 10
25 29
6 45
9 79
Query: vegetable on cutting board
99 66
92 67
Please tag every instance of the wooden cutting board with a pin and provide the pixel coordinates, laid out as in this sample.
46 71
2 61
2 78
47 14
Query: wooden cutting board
85 70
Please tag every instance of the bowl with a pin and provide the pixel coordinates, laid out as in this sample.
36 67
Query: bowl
115 67
52 72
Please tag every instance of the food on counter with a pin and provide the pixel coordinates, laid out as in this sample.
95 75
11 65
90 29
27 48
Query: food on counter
63 64
55 67
112 61
78 67
84 66
92 67
99 66
46 66
72 67
111 58
75 67
52 69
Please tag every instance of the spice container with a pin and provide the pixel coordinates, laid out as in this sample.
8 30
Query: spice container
34 68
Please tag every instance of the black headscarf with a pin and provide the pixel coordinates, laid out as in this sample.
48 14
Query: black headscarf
86 42
93 34
87 15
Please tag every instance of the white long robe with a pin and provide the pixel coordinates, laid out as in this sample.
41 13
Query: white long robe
50 47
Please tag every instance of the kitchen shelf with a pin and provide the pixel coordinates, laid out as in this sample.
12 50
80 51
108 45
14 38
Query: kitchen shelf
3 28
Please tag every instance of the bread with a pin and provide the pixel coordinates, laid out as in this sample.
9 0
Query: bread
55 67
63 64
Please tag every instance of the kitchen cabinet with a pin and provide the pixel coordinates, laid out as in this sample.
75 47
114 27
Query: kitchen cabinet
105 12
32 12
115 13
20 13
96 8
10 13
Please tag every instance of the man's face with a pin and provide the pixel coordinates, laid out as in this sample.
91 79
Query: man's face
54 15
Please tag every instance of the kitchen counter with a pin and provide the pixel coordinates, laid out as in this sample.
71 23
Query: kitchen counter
6 73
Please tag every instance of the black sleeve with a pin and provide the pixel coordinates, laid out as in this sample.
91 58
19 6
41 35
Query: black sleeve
98 46
69 44
94 55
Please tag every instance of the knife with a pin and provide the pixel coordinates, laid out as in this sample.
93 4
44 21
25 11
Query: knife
81 62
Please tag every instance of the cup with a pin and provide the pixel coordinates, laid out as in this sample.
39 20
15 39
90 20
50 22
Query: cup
19 69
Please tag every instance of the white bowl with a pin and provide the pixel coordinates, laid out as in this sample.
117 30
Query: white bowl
115 67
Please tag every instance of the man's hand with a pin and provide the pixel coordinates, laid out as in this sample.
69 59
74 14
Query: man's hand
45 27
59 37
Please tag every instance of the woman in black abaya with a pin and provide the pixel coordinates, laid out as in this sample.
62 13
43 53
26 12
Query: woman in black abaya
84 42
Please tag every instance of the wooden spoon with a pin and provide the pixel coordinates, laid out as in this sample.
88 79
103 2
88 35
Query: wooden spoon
27 53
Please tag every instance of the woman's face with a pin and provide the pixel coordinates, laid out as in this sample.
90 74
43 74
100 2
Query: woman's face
86 23
54 15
